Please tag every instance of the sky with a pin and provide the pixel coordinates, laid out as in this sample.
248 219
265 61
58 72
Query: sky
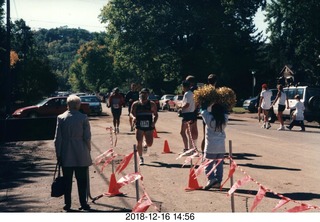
72 13
56 13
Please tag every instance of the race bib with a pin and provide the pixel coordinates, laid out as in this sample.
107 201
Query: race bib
144 123
115 106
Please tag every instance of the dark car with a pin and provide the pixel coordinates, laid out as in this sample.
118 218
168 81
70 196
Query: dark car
52 106
251 104
155 99
94 104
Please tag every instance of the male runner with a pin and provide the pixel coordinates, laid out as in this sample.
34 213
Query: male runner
144 114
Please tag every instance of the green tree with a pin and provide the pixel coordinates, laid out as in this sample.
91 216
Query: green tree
61 45
295 37
155 41
93 67
32 75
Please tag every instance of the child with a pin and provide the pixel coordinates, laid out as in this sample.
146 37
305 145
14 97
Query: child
298 114
215 123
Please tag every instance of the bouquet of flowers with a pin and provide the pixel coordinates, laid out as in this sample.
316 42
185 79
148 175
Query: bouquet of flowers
208 95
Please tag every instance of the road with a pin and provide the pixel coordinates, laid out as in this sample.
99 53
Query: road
283 162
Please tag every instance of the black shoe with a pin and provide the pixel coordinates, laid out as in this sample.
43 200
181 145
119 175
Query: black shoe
288 127
67 207
85 207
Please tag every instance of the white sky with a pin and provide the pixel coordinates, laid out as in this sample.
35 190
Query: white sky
72 13
56 13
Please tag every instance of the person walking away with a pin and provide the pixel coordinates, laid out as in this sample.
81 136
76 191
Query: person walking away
72 143
265 104
215 122
212 80
282 97
144 114
188 117
116 102
297 115
131 97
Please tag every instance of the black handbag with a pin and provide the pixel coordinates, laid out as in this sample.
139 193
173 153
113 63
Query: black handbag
58 184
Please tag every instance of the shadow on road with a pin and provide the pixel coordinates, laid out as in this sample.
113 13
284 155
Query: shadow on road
20 166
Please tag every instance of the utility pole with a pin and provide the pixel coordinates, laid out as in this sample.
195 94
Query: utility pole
253 82
7 65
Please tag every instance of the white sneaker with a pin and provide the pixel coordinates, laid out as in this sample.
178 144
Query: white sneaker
263 126
281 128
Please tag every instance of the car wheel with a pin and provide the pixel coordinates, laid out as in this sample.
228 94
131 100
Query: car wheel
314 103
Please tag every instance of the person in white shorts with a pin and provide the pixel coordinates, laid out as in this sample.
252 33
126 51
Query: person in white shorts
265 104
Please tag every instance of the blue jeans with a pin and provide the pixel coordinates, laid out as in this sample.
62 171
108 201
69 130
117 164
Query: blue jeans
218 172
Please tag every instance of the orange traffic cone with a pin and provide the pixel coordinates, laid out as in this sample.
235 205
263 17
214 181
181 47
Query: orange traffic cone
166 148
193 182
113 187
155 134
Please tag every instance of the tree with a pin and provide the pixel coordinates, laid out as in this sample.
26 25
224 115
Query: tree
167 40
93 67
295 36
32 75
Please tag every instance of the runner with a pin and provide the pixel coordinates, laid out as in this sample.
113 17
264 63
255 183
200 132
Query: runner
131 97
116 101
144 115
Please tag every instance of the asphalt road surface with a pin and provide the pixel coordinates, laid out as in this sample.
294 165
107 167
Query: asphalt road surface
282 162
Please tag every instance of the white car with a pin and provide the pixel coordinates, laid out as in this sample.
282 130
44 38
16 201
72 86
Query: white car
163 102
310 96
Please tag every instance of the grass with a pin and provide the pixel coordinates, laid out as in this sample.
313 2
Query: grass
238 110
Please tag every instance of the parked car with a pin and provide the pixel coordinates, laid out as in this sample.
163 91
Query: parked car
155 98
175 103
164 101
52 106
94 104
251 104
310 96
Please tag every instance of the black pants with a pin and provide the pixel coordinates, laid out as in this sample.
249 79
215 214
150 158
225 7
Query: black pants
297 123
81 174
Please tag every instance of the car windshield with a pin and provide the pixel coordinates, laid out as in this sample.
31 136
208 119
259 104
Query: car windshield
169 97
41 103
91 99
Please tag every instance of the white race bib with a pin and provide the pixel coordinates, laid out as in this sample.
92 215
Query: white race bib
144 123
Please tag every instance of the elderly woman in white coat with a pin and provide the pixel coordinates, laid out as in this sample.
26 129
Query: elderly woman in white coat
73 145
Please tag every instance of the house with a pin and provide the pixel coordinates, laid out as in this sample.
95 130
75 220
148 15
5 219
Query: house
286 76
